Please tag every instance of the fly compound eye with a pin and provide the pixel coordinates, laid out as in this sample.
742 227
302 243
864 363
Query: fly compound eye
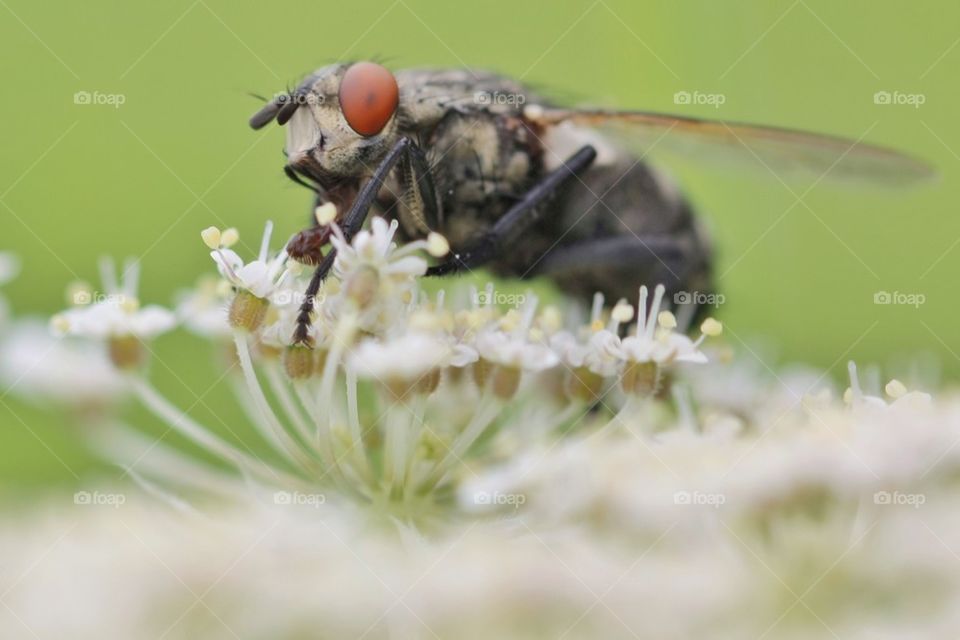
368 97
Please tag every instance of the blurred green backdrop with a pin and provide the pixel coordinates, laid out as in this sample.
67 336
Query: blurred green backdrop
141 179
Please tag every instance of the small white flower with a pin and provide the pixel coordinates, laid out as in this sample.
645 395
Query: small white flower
898 393
603 351
655 339
41 368
378 278
117 313
571 351
515 346
203 309
406 357
260 277
600 353
515 351
375 249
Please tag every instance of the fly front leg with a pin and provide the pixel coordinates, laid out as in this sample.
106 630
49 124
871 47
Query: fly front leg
351 223
519 218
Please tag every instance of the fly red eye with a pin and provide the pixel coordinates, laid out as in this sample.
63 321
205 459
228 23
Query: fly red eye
368 97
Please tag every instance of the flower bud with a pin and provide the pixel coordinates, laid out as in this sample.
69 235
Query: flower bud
247 311
428 383
506 381
298 362
481 372
584 384
126 352
642 378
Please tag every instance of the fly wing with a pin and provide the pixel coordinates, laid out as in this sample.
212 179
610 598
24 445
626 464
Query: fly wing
783 151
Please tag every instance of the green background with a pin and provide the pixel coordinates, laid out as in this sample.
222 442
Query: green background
78 181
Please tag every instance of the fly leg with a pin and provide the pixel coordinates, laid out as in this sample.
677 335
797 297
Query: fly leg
616 265
403 150
519 218
663 257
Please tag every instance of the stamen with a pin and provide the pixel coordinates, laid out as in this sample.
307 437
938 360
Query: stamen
211 237
654 310
895 389
642 312
855 390
622 313
131 277
229 237
667 320
325 213
529 311
437 245
597 308
108 275
265 243
288 447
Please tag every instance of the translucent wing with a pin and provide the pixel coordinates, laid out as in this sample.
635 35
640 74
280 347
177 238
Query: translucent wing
783 151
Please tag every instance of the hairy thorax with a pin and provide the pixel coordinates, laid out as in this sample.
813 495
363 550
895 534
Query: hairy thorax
481 165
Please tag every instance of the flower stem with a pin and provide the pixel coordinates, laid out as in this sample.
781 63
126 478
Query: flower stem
288 447
281 390
487 411
199 435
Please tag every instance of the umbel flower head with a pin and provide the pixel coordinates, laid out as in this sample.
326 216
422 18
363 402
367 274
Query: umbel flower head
425 432
437 381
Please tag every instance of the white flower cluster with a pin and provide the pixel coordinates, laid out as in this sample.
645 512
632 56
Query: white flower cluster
435 465
839 521
372 329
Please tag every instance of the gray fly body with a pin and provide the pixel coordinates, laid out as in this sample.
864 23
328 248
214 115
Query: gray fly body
521 186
